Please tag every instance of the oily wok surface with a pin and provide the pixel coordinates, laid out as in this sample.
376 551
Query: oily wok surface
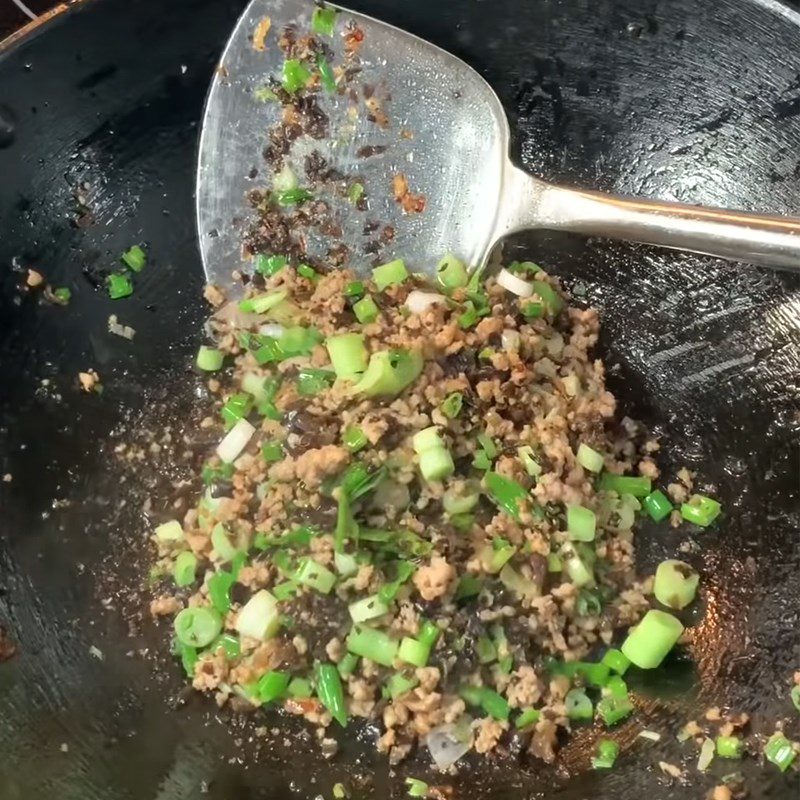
664 99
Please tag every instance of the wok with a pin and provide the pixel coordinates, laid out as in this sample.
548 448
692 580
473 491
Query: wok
675 100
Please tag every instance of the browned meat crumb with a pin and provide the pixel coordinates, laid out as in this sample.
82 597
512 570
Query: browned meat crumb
89 380
260 33
8 648
34 279
489 732
433 580
165 605
409 202
671 770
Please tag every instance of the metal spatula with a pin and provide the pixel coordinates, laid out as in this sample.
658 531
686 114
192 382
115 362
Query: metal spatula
446 133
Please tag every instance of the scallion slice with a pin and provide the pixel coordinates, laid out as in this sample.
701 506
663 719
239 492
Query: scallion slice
390 274
650 641
197 626
209 359
700 510
367 608
185 568
451 272
348 355
589 459
675 584
373 644
581 523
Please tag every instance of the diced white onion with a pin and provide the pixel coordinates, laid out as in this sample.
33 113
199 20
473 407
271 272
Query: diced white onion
510 339
653 736
514 284
446 746
418 302
271 329
259 618
235 441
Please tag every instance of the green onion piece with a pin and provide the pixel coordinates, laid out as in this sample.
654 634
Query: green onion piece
579 571
549 296
624 484
222 543
272 685
495 705
295 75
486 650
617 687
469 317
581 523
62 295
185 568
729 747
304 271
462 522
285 179
468 586
650 641
387 593
365 310
617 661
300 688
236 407
285 590
607 752
323 20
578 705
355 193
506 493
271 451
613 709
189 657
488 445
436 464
354 289
372 644
527 717
412 651
347 666
259 618
779 751
795 695
593 674
331 692
532 466
398 684
269 265
451 272
675 584
348 355
700 510
262 303
229 643
657 505
264 93
390 274
532 310
588 603
346 526
326 75
316 576
452 404
389 372
197 627
169 531
311 381
455 503
219 589
416 787
209 359
367 608
428 633
135 258
293 197
119 286
354 439
589 459
524 268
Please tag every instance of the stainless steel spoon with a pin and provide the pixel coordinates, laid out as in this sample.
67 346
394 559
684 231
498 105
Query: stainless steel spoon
447 134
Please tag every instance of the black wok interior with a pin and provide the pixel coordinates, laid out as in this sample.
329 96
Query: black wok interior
683 99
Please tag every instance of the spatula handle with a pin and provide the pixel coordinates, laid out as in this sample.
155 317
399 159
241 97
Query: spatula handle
769 241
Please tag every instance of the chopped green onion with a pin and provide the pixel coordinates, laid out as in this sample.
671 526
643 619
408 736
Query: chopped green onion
589 459
285 179
468 586
285 590
169 531
389 372
579 571
355 193
497 554
313 574
524 268
348 355
452 404
700 510
405 570
593 674
135 258
271 451
795 695
209 359
398 684
219 591
506 493
412 651
292 197
347 666
625 484
554 562
730 747
372 644
272 685
229 643
189 657
451 272
617 687
295 75
485 650
390 274
259 618
613 709
262 303
436 464
532 466
779 751
650 641
197 627
354 289
532 310
657 505
578 705
416 787
185 568
323 20
304 271
366 310
367 608
428 633
331 692
119 286
675 584
549 296
581 523
264 93
354 439
588 603
491 702
455 503
222 544
300 688
527 717
607 752
269 265
236 407
617 661
311 381
62 295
